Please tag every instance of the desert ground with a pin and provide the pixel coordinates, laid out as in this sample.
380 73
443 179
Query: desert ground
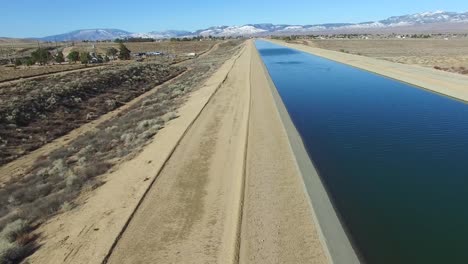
449 54
192 160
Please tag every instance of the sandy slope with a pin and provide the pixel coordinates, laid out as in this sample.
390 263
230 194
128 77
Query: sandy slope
450 84
87 233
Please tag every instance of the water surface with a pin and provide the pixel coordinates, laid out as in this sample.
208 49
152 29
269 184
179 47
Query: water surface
394 158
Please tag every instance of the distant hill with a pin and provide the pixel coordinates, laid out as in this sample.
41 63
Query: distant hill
438 21
15 40
89 34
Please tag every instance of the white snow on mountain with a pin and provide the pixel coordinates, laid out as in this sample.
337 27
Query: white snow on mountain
258 29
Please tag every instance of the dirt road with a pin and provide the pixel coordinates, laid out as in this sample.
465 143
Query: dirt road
190 214
277 225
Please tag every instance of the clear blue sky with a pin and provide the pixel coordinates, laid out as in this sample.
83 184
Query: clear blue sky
37 18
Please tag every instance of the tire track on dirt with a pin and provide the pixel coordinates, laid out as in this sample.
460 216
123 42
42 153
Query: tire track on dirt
152 184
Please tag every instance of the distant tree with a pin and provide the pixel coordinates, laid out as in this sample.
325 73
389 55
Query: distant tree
59 57
124 53
74 56
18 62
85 57
40 55
29 61
111 52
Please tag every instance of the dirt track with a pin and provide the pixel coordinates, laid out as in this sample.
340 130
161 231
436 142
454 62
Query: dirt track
192 214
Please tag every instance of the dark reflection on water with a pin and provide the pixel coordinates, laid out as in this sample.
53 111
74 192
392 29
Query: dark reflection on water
288 62
278 51
394 158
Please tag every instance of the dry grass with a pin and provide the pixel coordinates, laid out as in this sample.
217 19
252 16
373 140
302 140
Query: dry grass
11 73
177 48
55 181
35 112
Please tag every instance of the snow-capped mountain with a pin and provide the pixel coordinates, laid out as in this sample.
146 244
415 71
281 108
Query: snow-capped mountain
162 34
224 31
395 22
89 34
427 18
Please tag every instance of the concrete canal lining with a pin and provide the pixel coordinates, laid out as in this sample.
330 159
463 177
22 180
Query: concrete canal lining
333 236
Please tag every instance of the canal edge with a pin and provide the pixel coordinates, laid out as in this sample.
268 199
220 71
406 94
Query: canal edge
336 244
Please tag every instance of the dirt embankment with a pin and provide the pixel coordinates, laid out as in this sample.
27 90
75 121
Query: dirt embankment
277 223
195 201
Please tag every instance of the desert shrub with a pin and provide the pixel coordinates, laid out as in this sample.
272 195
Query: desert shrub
124 52
59 57
41 55
15 242
169 116
14 229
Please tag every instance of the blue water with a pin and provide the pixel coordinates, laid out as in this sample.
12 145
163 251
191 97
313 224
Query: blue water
394 158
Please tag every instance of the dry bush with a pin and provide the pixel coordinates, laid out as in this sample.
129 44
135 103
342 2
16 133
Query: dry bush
15 242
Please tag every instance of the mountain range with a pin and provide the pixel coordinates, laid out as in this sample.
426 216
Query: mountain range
428 21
